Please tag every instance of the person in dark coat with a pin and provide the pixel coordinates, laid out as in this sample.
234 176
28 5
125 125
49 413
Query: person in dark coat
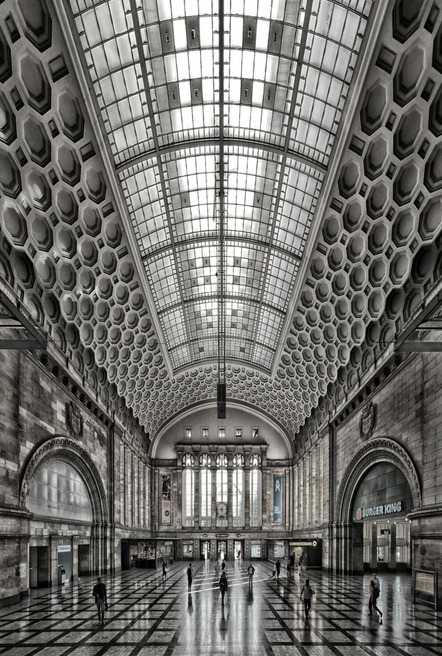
164 569
307 592
189 576
278 568
99 593
223 586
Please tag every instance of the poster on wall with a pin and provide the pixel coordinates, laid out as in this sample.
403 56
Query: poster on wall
277 499
165 499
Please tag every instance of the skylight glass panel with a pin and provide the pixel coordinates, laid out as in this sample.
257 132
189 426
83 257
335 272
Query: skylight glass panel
279 281
163 280
174 327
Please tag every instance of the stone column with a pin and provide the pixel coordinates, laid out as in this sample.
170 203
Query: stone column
374 547
392 554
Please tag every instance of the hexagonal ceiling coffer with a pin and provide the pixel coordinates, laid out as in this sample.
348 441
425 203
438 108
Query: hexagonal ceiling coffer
39 191
96 187
51 307
399 268
331 229
67 206
376 158
36 83
395 304
46 273
406 18
23 268
353 216
355 248
433 169
10 179
8 130
37 21
430 222
14 225
408 76
403 227
71 117
373 108
377 200
423 264
5 58
37 141
91 220
405 183
349 179
42 233
69 165
66 242
407 133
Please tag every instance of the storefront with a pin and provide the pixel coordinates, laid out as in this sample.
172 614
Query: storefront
188 551
381 503
306 553
165 552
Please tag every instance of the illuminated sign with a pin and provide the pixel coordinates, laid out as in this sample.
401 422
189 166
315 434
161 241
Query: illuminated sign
376 511
304 543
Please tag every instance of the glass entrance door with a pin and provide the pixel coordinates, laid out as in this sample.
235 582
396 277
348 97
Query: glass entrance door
222 549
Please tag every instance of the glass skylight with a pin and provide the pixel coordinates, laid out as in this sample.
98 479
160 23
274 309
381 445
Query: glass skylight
155 76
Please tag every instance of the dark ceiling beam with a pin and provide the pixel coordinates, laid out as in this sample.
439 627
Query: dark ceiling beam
34 338
403 342
419 347
198 143
250 241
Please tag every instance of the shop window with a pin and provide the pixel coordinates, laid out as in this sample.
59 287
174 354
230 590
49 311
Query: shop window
255 549
58 490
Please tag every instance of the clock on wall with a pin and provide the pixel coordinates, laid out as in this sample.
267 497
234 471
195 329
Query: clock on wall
222 509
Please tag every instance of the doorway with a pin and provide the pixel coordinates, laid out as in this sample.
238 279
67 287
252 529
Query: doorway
238 549
84 568
38 567
222 549
205 550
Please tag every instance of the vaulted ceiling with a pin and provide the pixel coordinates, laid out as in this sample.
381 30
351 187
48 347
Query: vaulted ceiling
187 182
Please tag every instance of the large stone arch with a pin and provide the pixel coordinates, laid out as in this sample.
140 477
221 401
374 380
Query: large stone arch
64 448
380 449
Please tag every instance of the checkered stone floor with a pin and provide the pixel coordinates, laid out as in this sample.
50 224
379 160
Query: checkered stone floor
149 616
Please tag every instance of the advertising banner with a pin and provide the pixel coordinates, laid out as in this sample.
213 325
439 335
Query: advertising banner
277 499
165 500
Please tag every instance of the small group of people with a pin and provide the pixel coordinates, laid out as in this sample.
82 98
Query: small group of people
277 570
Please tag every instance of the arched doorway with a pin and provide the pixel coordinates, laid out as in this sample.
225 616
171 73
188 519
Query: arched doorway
380 473
62 488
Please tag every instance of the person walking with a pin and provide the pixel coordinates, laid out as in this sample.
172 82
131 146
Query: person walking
189 576
164 569
289 568
250 574
223 586
99 593
307 592
375 590
277 568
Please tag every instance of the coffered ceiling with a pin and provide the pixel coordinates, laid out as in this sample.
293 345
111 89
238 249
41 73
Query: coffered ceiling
184 178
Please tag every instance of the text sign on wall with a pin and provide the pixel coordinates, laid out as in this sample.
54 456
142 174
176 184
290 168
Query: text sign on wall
277 499
63 548
375 511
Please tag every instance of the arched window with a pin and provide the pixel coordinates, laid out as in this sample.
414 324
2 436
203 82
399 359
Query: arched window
221 490
255 490
188 490
238 490
206 490
58 490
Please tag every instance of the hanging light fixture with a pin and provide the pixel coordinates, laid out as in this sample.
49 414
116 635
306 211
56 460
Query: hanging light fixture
221 387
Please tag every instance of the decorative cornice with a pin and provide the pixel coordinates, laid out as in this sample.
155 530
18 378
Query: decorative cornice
432 510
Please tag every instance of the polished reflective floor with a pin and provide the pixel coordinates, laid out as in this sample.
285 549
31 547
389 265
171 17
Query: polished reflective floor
150 616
